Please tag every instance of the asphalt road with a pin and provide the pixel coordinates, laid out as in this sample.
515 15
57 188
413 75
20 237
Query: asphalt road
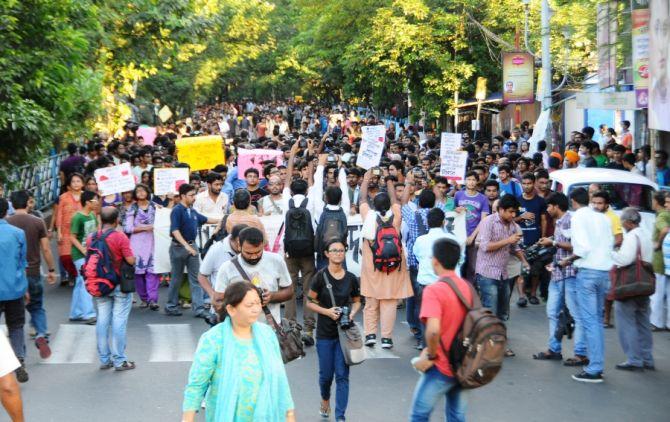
69 386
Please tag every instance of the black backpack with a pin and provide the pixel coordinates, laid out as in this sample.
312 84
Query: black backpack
332 224
299 233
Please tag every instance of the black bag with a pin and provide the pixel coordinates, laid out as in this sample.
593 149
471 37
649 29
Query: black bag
289 333
332 225
127 277
299 234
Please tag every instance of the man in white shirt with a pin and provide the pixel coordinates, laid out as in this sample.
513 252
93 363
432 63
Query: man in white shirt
217 255
10 393
212 202
592 242
265 270
275 202
632 315
144 164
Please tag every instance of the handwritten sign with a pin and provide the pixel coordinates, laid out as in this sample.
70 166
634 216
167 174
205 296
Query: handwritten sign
453 165
147 133
202 152
164 114
449 142
372 146
254 158
115 179
168 180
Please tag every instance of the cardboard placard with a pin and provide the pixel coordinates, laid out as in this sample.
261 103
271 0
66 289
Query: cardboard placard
115 179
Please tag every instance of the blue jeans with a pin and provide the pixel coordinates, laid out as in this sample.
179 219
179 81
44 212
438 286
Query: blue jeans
38 316
573 307
431 387
555 302
331 362
82 302
113 311
495 295
593 285
413 305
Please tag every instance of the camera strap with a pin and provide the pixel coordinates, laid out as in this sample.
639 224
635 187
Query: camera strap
330 288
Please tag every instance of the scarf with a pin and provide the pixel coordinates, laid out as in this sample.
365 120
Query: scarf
271 405
369 228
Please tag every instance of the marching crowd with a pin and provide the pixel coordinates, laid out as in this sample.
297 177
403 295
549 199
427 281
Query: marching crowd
521 236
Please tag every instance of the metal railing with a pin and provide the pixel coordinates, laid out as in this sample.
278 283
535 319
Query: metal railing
40 178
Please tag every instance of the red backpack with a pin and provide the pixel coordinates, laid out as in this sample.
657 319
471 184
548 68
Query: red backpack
387 247
100 279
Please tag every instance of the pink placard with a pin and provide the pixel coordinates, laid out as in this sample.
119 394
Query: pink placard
147 133
253 158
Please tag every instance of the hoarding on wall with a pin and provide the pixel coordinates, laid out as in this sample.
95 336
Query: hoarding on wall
607 25
518 72
640 33
659 52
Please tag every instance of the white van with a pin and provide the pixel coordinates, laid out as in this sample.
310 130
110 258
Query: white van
625 188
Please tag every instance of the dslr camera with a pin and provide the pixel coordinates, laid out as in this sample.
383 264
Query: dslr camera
540 255
345 321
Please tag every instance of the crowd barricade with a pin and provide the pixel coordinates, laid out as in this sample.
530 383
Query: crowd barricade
40 178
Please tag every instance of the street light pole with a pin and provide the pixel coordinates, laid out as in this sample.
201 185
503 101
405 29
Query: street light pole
546 55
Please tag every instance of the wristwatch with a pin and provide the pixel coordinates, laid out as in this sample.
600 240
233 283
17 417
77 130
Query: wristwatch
52 270
554 243
431 357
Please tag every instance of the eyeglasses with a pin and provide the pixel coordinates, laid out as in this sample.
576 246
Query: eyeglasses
336 251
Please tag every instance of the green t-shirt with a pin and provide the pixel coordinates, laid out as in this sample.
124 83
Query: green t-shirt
601 160
662 221
82 225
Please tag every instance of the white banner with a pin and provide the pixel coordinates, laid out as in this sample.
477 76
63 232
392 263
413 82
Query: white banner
453 165
168 180
115 179
455 224
372 146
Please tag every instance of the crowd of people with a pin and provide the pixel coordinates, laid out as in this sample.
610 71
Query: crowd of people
405 250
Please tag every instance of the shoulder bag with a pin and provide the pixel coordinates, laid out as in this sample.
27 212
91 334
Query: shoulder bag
634 280
351 339
289 333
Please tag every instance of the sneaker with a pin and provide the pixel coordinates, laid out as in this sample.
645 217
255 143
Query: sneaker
42 345
387 343
324 412
144 304
186 305
625 366
534 300
91 321
308 338
154 306
370 340
21 373
522 302
649 367
108 365
586 377
125 366
173 312
419 345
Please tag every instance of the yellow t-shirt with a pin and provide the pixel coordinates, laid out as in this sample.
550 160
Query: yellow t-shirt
615 222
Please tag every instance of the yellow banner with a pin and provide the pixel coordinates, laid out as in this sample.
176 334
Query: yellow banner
202 152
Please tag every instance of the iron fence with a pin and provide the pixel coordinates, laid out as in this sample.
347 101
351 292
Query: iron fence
40 178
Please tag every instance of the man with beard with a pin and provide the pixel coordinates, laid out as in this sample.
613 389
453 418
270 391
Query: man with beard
212 202
353 189
265 270
272 204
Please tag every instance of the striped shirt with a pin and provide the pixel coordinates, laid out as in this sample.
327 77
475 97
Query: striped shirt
562 235
494 264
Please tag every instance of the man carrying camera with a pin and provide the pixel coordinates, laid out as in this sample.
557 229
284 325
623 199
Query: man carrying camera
563 286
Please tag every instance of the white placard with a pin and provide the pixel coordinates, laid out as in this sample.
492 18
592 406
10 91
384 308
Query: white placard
450 142
453 165
115 179
168 180
372 146
475 124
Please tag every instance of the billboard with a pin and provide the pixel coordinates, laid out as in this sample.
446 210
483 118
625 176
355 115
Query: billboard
640 32
607 27
659 51
518 72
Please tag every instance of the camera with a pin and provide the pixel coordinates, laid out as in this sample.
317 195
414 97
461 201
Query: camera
302 144
376 171
418 172
345 321
332 158
542 255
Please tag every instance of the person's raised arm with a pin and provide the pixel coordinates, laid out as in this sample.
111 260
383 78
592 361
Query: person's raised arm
342 182
310 163
391 191
409 183
291 164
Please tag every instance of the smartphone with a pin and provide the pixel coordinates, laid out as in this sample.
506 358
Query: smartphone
376 171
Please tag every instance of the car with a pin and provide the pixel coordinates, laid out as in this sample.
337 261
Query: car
626 189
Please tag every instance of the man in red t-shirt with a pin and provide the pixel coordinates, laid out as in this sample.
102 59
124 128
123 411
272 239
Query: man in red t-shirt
443 314
114 309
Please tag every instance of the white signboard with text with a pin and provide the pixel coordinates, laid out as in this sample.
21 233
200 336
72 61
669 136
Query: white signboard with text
372 146
168 180
114 179
453 165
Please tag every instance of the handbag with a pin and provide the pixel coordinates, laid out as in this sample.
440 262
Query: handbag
351 339
289 333
566 323
127 277
634 280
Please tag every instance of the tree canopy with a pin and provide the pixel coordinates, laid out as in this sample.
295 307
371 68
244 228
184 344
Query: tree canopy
70 67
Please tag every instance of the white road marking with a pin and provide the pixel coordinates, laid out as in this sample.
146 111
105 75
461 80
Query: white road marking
73 343
378 353
171 343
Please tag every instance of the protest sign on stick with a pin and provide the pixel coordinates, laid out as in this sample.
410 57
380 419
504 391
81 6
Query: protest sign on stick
372 146
114 179
168 180
449 142
202 152
147 133
453 165
254 158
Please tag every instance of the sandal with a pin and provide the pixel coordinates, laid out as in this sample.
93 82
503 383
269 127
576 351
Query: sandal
548 355
324 412
576 361
509 353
